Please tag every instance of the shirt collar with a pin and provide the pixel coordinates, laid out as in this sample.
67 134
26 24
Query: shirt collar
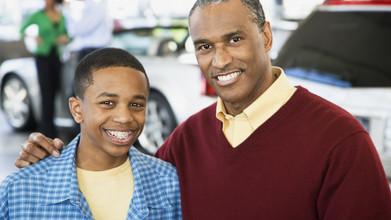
61 180
273 98
143 199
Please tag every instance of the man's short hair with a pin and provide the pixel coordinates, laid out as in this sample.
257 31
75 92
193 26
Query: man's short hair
254 8
100 59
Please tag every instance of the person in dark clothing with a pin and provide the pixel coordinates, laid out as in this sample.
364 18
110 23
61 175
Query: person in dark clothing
52 35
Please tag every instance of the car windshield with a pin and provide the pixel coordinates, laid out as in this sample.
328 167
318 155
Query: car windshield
136 41
341 48
139 41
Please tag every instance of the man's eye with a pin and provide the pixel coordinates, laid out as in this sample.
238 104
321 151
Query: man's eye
205 47
235 39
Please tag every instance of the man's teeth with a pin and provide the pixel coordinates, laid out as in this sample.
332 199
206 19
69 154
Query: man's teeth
120 134
229 76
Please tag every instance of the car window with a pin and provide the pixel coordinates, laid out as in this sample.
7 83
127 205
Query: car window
341 48
136 41
139 41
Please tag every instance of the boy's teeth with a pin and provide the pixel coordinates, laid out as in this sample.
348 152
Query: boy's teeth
120 134
229 76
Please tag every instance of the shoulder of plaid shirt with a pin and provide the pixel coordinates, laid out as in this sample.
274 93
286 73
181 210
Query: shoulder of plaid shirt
49 188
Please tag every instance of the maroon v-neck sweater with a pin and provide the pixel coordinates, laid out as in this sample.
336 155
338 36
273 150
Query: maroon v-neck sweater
310 160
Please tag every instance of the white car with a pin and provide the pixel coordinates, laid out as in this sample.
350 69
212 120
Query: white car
342 52
175 86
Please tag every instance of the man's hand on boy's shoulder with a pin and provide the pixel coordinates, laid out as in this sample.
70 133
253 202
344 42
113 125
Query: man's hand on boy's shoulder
36 148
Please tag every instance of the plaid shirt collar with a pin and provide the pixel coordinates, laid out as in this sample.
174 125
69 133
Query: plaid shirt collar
61 177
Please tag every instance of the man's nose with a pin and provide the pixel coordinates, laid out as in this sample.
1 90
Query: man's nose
221 58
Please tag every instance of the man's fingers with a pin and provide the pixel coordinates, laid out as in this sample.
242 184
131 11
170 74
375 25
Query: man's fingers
23 155
30 148
21 163
39 140
37 148
58 143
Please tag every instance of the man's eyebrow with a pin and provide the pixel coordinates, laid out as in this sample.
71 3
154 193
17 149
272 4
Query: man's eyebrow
225 36
232 34
200 41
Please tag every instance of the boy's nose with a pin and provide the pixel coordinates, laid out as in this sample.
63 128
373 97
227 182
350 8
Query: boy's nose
123 115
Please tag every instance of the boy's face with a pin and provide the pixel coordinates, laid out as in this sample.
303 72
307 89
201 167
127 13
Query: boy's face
112 113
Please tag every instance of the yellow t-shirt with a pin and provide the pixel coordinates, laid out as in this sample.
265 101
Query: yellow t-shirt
108 192
238 128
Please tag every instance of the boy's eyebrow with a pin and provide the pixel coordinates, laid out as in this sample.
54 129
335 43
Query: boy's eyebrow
113 95
140 97
106 94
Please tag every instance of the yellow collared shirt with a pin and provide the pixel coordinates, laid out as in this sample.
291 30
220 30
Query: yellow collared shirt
238 128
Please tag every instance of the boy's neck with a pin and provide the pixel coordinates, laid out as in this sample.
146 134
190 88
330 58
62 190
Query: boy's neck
87 159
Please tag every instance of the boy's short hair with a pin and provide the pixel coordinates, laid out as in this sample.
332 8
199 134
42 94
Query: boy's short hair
100 59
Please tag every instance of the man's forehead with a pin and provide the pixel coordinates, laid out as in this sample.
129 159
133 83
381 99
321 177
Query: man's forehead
218 12
218 21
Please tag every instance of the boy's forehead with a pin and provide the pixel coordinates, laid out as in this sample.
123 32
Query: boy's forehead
113 72
115 77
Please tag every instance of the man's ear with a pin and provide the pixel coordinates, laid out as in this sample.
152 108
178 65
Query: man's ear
267 36
75 106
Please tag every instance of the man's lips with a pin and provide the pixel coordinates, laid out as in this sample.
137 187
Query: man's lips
226 79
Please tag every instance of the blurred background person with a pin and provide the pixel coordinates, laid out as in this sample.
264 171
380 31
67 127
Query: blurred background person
52 35
88 24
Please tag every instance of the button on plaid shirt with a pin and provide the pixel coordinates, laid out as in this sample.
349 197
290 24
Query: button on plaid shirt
49 189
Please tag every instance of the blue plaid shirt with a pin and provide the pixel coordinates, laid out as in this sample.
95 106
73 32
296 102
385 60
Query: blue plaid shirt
49 189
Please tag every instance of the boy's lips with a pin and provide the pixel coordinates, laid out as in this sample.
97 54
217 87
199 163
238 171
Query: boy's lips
120 137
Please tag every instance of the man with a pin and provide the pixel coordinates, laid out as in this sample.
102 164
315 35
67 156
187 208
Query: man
265 150
99 175
89 25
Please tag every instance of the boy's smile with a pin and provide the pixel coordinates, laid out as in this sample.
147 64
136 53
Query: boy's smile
121 137
111 115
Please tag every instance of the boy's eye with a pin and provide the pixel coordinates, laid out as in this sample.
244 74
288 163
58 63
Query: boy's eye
136 105
108 103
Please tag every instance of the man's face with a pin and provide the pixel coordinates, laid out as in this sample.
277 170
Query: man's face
112 112
232 53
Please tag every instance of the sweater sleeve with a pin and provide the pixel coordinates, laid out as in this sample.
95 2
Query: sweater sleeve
353 161
30 20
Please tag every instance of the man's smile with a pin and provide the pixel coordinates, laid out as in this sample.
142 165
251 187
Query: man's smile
223 80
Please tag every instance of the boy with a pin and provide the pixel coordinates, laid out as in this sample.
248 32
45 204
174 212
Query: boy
99 175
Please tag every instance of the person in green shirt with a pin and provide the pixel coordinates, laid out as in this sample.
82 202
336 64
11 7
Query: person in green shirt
52 35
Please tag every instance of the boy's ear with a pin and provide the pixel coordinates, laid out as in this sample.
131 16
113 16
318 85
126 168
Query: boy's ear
75 108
